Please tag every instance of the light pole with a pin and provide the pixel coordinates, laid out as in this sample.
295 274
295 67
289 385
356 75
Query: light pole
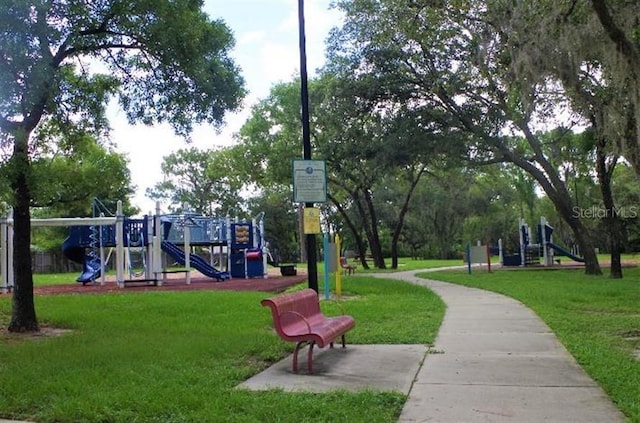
312 266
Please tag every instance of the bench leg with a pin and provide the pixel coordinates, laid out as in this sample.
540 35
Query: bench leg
295 356
343 342
310 358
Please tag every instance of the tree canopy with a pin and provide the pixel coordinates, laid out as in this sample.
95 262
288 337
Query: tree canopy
60 63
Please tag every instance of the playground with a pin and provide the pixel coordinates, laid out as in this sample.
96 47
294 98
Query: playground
145 251
535 250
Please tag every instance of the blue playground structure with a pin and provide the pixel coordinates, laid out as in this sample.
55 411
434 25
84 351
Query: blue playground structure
240 246
530 253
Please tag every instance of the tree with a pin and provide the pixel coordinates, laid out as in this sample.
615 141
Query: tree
165 60
202 180
362 141
440 205
369 139
65 181
456 61
591 48
622 32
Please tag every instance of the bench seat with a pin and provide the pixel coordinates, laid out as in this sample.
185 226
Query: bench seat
349 269
297 318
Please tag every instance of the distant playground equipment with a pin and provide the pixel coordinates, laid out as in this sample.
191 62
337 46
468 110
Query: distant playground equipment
530 253
286 269
139 243
332 264
248 256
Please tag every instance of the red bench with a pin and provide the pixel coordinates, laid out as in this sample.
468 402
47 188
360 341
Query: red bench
348 268
297 318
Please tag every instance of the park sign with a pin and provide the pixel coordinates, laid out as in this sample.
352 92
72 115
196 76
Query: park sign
309 181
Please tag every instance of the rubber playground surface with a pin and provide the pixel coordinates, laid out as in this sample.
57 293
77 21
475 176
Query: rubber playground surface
274 283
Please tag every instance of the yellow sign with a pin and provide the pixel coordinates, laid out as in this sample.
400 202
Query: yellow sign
312 220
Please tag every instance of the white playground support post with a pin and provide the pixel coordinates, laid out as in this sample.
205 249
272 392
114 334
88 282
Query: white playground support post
103 263
500 253
156 264
187 250
120 261
265 271
547 252
148 249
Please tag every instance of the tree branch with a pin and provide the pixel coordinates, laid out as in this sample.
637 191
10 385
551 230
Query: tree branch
100 29
617 35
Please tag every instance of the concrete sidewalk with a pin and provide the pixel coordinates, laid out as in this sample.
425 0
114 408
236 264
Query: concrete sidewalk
494 360
498 362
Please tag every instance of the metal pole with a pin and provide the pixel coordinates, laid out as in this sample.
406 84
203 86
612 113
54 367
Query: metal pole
312 266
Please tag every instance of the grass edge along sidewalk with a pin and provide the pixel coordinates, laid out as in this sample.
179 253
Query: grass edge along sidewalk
596 318
177 356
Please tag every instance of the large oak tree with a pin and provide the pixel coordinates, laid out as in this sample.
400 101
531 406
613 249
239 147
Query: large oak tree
60 61
453 59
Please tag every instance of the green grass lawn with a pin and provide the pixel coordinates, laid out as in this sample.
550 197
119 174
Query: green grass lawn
177 356
406 263
596 318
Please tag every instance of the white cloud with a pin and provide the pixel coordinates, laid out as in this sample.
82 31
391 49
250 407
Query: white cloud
251 37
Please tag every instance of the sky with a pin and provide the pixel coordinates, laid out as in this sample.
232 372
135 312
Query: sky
266 50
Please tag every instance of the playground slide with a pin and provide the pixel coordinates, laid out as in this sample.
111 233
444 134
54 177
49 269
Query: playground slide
564 252
196 262
90 265
90 270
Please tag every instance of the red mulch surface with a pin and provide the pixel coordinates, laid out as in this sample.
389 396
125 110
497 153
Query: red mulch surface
274 284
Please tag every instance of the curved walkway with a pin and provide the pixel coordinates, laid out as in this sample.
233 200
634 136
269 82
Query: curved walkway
494 360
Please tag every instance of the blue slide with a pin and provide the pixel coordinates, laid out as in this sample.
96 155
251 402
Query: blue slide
197 262
564 252
90 265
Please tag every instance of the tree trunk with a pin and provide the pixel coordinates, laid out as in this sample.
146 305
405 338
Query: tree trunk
374 241
413 182
557 192
616 231
591 265
23 313
580 232
611 220
362 249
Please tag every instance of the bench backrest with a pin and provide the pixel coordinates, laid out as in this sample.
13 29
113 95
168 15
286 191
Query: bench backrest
304 302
